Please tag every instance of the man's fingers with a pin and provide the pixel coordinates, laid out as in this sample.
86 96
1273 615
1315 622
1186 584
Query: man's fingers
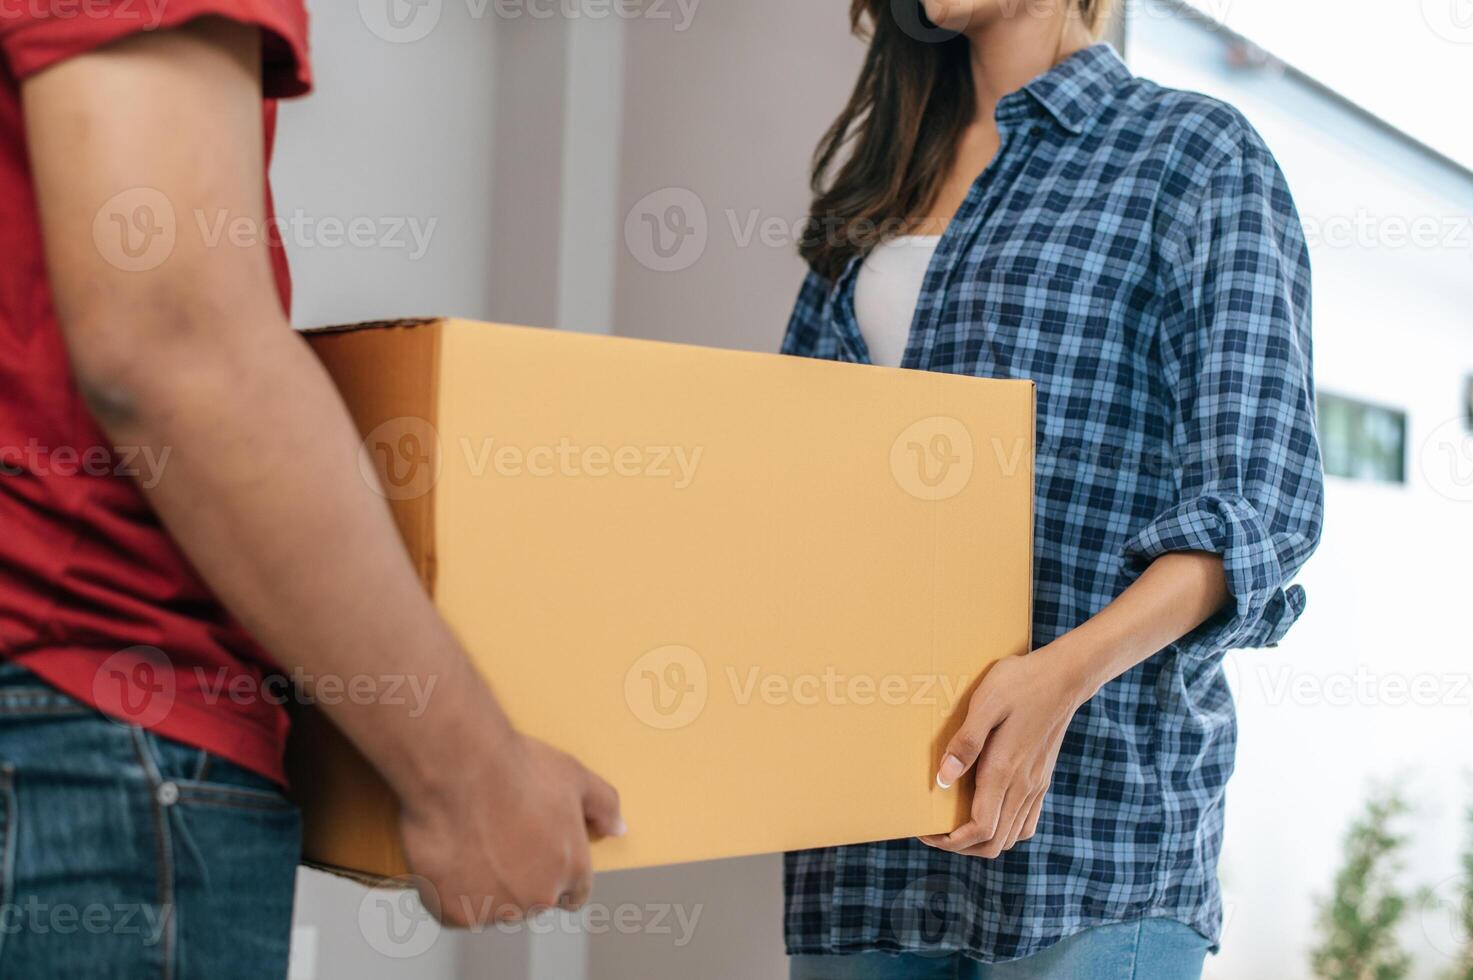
601 807
576 892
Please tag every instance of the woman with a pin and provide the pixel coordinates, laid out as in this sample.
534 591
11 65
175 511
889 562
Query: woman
1002 198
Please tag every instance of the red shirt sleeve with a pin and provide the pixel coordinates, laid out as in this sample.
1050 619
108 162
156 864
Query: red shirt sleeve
34 35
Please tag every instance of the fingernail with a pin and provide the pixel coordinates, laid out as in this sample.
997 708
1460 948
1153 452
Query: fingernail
621 828
951 770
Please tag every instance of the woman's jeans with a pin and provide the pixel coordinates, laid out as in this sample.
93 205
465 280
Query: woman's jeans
127 855
1148 949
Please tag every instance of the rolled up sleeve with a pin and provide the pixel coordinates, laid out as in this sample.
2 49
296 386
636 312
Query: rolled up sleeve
1236 353
35 36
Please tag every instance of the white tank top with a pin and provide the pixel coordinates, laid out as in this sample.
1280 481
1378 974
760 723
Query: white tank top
886 293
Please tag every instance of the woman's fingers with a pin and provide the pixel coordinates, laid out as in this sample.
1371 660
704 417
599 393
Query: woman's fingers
1034 812
966 745
992 814
1013 804
1020 820
1017 821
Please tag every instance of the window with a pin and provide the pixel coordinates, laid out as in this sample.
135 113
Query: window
1362 441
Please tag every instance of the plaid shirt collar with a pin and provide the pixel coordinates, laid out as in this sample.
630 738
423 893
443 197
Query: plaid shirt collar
1073 92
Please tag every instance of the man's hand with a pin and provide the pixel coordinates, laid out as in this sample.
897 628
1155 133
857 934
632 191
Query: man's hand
263 493
511 836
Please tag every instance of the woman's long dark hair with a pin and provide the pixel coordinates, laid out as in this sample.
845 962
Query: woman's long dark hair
898 134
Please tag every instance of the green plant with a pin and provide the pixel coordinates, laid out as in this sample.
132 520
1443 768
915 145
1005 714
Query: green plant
1463 967
1360 919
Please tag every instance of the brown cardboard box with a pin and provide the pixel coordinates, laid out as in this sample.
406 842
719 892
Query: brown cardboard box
752 591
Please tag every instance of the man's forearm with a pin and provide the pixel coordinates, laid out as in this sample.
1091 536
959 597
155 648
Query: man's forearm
262 488
263 492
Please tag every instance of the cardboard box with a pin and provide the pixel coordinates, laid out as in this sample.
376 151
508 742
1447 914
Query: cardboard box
752 591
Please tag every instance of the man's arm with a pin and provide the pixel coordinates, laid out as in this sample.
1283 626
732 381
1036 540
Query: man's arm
262 490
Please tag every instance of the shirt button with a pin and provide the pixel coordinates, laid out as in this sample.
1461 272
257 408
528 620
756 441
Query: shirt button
167 794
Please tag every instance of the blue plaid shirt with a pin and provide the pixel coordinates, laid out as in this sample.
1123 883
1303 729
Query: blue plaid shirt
1135 252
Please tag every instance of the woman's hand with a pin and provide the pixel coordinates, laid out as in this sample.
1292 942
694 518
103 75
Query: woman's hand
1015 724
1018 715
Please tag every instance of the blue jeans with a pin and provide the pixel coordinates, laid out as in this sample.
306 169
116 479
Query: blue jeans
1148 949
129 855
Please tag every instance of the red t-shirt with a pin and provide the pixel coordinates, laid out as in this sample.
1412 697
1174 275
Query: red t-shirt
94 596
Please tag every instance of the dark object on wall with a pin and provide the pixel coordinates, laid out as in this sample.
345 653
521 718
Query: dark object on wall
1361 441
